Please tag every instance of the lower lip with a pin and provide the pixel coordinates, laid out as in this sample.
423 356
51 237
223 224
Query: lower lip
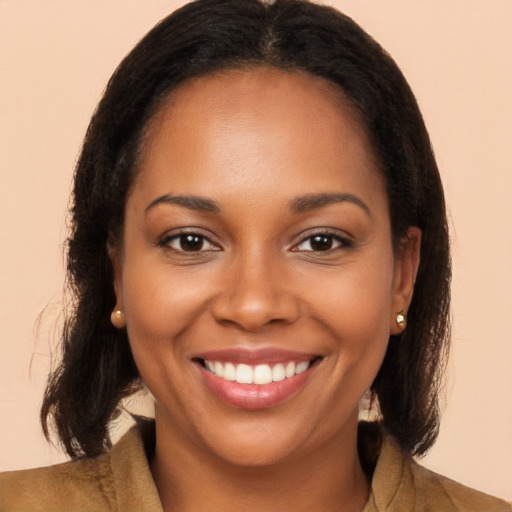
254 396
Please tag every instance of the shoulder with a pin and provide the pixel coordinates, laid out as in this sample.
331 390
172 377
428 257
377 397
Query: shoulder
78 485
400 483
433 488
118 480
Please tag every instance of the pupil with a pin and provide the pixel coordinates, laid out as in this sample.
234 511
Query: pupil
191 242
321 243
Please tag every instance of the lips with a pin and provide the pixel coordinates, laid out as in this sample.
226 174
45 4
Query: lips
250 379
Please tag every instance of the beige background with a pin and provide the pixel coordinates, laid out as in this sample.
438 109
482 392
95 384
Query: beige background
55 57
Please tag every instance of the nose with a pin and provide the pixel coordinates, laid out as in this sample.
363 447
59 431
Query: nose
256 292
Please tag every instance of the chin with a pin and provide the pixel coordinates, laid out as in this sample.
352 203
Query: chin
255 451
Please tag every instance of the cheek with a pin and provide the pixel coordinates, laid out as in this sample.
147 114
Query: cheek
354 309
162 311
357 298
159 305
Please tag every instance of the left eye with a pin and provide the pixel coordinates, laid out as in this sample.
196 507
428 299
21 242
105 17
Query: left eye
190 242
319 243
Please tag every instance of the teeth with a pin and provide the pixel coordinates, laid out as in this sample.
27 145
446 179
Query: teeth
301 367
278 373
229 371
243 374
219 369
260 374
289 371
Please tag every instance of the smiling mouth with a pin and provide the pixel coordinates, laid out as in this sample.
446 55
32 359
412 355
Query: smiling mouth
260 374
255 379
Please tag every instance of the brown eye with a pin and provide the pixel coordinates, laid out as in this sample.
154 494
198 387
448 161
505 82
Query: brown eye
190 242
321 242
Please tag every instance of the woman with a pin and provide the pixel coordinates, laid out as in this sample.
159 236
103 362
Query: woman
259 236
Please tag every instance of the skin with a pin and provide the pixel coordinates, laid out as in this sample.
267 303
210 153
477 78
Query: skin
253 141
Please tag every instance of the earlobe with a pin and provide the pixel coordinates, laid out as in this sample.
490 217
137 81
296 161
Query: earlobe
117 316
407 261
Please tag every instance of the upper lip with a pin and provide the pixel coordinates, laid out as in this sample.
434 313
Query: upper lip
255 356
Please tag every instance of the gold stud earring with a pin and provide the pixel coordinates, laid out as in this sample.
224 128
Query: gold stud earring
401 318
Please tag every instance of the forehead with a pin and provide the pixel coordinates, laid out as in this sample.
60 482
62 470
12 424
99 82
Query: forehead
230 90
257 124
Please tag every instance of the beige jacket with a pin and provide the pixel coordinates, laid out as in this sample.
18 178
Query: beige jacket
121 481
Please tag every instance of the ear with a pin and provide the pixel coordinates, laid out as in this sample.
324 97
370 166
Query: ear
117 316
407 260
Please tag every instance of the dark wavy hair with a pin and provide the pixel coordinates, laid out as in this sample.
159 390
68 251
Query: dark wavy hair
97 371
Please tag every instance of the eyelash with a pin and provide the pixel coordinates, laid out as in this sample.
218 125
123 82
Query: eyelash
342 242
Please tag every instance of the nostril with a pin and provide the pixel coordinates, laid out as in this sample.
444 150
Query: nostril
255 312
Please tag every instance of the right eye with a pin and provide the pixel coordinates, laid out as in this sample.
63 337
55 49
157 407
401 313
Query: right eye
189 242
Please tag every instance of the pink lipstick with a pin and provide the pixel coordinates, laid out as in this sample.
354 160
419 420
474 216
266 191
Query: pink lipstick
255 379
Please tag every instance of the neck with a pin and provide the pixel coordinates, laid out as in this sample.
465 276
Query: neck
189 478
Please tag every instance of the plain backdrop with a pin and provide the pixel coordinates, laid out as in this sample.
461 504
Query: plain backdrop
55 58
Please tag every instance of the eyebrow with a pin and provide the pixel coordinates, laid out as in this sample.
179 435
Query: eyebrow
299 204
310 202
197 203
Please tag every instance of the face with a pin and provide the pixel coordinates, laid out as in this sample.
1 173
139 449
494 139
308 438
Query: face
257 248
